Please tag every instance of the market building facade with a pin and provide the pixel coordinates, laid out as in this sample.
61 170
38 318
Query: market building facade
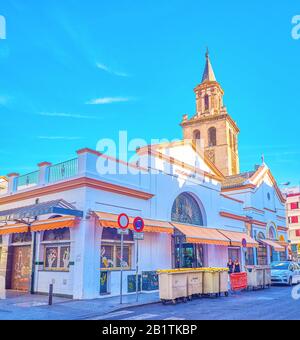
58 225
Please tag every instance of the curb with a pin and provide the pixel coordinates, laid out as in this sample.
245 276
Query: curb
120 308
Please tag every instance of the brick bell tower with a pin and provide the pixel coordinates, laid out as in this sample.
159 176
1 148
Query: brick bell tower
212 124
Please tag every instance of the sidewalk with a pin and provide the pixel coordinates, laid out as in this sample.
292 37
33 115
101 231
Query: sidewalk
20 306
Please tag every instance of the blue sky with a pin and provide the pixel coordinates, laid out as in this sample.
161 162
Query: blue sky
138 62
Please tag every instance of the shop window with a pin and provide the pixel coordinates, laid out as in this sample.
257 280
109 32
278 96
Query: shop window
111 256
111 234
250 257
282 256
233 254
22 238
57 249
186 210
189 255
57 235
262 255
295 206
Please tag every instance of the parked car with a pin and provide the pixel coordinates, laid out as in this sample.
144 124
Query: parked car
285 272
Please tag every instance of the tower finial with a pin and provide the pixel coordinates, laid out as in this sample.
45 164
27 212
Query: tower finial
208 74
207 53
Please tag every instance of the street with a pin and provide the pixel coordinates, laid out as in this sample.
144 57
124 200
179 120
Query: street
271 304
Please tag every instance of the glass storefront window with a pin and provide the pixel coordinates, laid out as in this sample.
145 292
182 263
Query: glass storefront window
57 257
189 256
262 255
250 257
22 238
56 250
111 256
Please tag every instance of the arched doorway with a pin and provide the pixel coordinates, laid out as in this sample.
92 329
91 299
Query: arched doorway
186 210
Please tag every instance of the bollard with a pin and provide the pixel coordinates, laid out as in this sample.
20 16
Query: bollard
50 294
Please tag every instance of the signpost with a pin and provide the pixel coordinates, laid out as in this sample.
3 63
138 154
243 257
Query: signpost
123 222
138 225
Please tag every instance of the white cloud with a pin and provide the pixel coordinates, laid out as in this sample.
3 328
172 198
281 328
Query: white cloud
66 115
58 138
108 100
107 69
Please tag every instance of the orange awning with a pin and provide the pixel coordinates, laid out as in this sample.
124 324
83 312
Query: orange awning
54 223
202 235
273 244
108 220
237 238
14 229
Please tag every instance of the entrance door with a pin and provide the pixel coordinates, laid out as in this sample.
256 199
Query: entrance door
21 268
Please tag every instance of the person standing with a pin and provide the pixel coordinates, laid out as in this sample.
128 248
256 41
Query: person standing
230 266
237 266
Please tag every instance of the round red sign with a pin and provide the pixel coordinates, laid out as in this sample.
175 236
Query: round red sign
123 221
138 224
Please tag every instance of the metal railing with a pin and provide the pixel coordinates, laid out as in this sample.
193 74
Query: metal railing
63 170
28 180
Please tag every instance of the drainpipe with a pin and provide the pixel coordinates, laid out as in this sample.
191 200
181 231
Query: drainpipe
33 262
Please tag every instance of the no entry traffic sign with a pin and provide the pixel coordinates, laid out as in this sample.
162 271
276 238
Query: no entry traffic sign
138 224
123 221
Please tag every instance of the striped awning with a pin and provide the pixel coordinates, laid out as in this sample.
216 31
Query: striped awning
236 239
201 235
54 223
276 246
108 220
58 207
14 229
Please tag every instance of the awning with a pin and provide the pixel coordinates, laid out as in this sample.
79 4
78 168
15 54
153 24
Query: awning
108 220
273 244
14 229
237 238
59 207
54 223
202 235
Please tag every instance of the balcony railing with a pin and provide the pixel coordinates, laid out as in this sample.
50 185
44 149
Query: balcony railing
63 170
28 181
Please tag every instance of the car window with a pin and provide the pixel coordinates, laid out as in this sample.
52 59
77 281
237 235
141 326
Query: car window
296 266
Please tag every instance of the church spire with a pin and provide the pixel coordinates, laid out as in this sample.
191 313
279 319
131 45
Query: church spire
208 74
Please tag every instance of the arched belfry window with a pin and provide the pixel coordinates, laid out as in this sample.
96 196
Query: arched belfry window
206 102
197 135
212 136
186 210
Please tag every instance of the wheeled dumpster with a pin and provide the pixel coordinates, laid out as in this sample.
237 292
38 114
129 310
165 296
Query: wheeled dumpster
172 286
258 276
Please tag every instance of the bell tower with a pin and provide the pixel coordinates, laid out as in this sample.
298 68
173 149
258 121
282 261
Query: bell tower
212 125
